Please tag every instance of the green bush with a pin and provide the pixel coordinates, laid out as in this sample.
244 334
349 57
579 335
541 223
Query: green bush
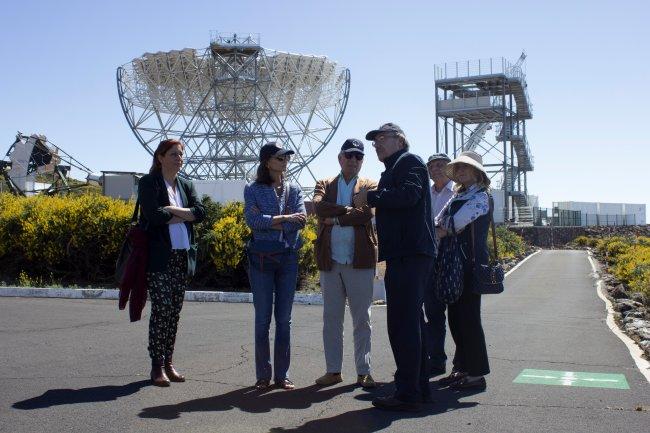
509 244
585 241
73 238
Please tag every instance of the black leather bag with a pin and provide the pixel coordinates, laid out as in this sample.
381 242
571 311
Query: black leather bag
488 278
448 269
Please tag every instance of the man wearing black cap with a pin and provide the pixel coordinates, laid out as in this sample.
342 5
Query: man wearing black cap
346 255
406 241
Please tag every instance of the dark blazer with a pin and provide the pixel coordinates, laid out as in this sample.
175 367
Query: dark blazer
403 208
365 241
152 194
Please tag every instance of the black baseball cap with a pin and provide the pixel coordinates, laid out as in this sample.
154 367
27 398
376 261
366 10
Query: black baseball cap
352 145
385 128
272 149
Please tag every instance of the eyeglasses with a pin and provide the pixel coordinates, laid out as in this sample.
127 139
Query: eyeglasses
357 155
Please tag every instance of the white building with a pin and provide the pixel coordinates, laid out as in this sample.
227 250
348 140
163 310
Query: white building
602 214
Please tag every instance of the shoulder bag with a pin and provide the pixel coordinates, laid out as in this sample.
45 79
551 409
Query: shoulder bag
488 278
448 269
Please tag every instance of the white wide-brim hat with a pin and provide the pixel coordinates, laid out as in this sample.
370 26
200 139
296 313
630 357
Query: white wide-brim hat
470 158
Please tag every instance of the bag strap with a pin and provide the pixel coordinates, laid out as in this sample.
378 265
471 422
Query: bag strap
495 257
134 218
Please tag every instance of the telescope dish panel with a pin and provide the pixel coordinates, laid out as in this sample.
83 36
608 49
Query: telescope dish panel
225 101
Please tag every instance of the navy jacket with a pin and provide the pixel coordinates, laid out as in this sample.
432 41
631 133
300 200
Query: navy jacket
403 208
152 193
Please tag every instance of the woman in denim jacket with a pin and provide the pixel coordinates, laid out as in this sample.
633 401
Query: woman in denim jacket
274 211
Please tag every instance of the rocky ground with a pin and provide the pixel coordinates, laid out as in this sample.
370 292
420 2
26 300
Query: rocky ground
632 310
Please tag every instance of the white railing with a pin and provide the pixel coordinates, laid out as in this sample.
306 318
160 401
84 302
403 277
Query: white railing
471 68
235 38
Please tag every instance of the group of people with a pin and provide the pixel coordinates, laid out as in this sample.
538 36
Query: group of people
410 217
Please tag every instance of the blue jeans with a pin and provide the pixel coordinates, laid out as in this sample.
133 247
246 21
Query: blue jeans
269 288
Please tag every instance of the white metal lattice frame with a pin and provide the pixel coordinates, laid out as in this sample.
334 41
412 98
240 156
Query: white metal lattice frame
225 104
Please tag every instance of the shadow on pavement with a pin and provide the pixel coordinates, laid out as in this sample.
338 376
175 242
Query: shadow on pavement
56 397
249 400
371 420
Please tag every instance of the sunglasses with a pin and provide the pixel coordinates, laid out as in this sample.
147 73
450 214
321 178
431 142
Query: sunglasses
356 155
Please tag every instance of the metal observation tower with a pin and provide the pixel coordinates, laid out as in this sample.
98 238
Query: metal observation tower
471 98
225 101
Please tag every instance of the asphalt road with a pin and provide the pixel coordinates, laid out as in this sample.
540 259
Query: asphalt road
80 366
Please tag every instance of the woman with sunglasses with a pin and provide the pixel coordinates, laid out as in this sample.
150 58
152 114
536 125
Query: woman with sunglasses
275 212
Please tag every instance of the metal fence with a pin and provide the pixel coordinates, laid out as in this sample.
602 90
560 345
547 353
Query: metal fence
609 220
563 217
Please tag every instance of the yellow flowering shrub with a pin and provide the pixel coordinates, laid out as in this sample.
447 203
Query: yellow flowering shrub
68 236
11 211
306 255
229 238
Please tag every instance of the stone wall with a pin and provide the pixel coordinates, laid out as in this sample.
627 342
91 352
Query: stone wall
557 237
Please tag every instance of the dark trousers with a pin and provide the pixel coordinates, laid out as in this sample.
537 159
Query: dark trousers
435 328
405 280
166 291
466 329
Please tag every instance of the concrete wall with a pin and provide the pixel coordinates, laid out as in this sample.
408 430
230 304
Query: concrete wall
221 191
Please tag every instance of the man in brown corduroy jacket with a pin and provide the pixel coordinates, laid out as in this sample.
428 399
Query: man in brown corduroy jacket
346 255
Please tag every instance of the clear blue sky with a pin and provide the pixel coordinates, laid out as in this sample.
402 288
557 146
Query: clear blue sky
587 70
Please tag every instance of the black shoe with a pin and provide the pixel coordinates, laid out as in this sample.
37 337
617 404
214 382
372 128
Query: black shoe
427 399
465 384
437 370
455 376
394 404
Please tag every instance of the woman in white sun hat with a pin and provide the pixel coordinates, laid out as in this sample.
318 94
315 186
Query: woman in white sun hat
469 206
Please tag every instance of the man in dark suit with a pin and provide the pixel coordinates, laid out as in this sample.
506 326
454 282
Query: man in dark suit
402 205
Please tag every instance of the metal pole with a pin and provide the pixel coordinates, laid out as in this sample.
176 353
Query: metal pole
505 149
454 124
437 120
462 137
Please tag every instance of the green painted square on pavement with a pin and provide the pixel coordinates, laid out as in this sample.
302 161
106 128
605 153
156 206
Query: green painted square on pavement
572 378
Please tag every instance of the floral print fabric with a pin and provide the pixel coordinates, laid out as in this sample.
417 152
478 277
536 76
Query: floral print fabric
167 291
477 203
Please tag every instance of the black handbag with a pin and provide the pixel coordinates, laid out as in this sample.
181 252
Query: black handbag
448 269
488 278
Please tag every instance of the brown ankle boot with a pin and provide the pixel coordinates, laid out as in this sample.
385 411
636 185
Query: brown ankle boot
172 374
158 376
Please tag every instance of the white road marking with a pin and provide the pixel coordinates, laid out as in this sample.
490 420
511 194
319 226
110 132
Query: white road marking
635 351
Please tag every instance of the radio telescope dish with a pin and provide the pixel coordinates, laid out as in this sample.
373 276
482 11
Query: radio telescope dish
36 165
225 101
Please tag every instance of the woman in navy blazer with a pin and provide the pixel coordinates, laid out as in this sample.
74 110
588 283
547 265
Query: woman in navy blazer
170 208
275 212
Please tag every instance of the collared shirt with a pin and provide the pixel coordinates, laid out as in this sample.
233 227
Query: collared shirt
440 199
343 237
477 203
178 231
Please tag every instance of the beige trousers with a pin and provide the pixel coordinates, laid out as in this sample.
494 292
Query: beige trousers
356 285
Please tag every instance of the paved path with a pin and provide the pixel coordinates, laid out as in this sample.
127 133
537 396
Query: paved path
79 365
